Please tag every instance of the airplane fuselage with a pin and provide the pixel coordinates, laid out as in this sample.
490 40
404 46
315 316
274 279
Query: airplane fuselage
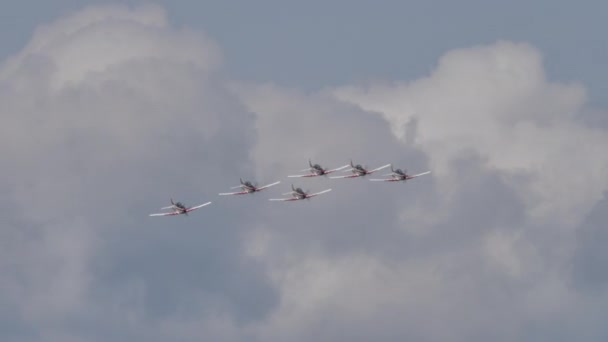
299 193
359 170
247 186
318 170
399 174
181 208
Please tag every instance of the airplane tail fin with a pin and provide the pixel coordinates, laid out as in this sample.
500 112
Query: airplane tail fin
392 170
292 188
172 201
351 164
241 179
309 163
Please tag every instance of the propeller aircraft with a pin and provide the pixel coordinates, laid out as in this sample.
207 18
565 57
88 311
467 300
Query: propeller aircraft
398 175
178 209
316 170
247 188
360 171
298 194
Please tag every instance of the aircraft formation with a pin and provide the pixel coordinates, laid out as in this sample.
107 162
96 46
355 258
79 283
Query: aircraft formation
297 194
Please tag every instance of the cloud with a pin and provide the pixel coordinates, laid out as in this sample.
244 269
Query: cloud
496 100
111 110
478 251
589 270
94 39
107 113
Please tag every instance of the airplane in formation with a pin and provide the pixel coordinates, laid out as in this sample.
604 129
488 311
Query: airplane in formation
178 209
299 194
399 175
316 170
360 171
247 188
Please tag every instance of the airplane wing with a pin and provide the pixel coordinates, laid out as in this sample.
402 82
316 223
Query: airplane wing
336 169
420 174
378 169
284 199
300 176
169 207
319 193
234 193
198 207
165 214
267 186
349 176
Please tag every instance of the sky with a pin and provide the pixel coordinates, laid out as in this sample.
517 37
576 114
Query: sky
111 109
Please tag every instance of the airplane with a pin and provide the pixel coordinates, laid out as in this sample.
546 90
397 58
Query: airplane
360 171
179 208
399 175
299 194
316 170
248 188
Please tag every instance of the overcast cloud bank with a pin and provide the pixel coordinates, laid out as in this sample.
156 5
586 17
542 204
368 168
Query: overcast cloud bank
111 110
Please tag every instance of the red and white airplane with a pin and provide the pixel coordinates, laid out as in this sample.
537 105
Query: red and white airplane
360 171
316 170
299 194
248 188
399 175
178 209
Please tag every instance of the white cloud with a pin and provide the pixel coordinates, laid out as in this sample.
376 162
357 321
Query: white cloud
110 110
95 39
495 100
106 114
514 173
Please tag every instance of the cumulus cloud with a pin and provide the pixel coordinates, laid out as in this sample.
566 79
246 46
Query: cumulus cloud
479 251
93 40
495 100
111 110
107 113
